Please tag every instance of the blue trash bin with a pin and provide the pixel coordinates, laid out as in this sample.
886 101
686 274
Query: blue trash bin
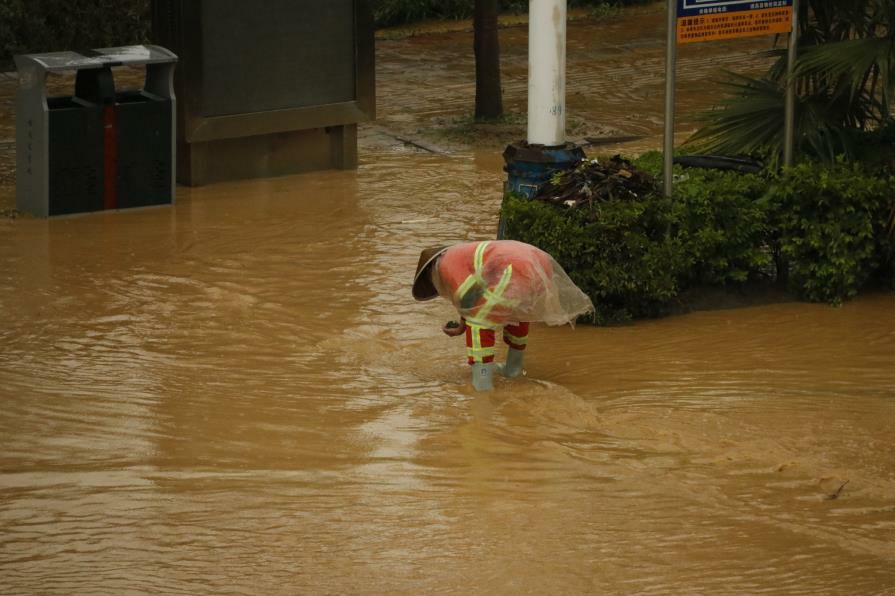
529 167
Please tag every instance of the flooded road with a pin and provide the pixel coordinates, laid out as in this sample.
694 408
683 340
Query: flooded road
237 394
615 82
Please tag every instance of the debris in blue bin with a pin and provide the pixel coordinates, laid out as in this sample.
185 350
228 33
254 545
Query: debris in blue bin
594 180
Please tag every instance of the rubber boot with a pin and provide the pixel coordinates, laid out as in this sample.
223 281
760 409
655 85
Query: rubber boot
482 376
513 367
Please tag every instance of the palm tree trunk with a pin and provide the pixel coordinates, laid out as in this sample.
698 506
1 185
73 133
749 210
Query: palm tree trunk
488 100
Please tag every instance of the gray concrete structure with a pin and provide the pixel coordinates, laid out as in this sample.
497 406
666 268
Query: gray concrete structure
270 89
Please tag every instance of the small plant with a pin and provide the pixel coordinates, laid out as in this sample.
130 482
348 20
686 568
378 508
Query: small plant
830 221
604 9
843 80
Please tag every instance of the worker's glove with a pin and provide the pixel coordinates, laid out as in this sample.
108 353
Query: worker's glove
453 328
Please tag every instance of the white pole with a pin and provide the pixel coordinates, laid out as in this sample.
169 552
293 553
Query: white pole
547 72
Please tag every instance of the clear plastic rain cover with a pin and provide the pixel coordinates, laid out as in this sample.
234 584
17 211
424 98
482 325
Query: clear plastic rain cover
504 281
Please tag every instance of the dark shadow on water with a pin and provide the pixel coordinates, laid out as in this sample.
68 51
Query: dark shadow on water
759 293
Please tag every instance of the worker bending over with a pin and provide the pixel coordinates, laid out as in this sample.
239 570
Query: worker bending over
498 286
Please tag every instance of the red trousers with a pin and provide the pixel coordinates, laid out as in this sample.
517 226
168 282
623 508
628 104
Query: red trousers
480 341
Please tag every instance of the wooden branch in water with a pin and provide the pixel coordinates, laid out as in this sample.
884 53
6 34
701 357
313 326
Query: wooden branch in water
836 494
418 145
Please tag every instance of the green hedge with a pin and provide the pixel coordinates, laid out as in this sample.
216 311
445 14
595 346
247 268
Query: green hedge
722 225
831 229
821 231
35 26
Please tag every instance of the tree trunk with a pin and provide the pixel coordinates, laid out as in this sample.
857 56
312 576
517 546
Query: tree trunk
488 101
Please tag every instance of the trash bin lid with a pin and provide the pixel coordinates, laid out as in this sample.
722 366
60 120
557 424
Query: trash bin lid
120 56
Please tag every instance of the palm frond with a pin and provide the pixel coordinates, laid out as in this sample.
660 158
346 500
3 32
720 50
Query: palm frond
844 80
845 65
749 121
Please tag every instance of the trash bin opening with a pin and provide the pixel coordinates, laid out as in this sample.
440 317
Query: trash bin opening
67 103
129 77
135 97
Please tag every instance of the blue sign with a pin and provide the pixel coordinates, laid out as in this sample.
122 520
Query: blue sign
695 8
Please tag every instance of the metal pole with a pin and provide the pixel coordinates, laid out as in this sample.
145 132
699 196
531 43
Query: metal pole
670 56
791 86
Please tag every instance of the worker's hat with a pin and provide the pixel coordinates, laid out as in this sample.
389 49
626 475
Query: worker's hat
423 288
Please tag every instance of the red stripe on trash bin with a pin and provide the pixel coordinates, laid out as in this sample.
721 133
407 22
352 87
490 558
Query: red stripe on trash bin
110 158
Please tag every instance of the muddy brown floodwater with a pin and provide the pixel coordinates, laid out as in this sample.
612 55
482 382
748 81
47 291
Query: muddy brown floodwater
237 394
